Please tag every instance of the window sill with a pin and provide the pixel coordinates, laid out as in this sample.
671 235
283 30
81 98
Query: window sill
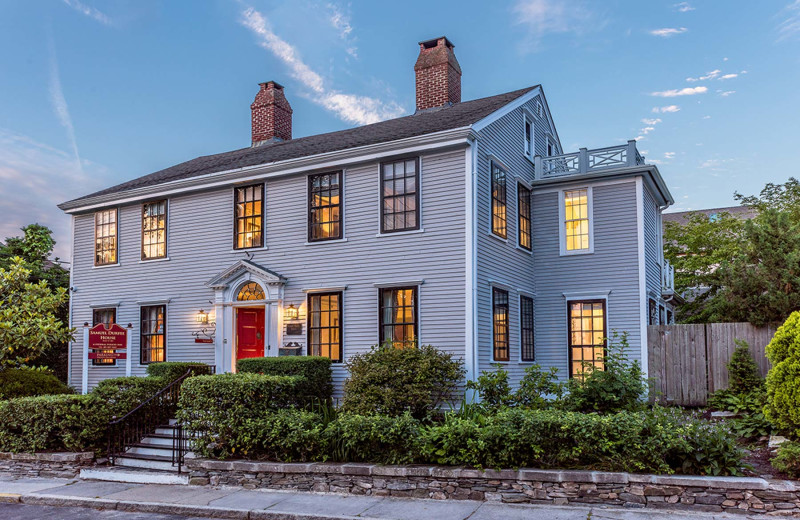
527 251
577 253
106 266
396 233
249 249
497 237
320 242
165 259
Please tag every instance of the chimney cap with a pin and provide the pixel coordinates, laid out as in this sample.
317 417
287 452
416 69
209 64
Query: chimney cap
429 44
275 84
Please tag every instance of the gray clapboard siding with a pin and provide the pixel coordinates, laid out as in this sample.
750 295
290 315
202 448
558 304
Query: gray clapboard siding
652 245
612 267
200 239
501 261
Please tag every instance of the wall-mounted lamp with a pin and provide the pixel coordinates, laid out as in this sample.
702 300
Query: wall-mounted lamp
291 312
202 317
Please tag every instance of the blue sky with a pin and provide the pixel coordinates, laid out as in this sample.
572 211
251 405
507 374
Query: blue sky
93 92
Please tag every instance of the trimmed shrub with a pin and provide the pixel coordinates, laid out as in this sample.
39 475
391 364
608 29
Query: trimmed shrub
620 386
51 423
392 381
219 407
289 435
373 438
26 382
783 379
743 373
657 440
117 396
318 383
788 459
172 370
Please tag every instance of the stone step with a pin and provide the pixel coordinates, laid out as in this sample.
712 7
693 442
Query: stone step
134 475
134 460
158 440
150 450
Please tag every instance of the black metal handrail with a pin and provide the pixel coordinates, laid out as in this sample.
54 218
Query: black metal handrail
143 420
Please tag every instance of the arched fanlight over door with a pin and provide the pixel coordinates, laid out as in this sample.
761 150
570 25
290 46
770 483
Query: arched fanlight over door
250 291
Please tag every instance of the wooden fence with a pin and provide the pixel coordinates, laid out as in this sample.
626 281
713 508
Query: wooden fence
687 362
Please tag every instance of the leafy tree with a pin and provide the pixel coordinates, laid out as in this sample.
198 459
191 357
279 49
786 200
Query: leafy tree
35 247
28 316
782 197
696 250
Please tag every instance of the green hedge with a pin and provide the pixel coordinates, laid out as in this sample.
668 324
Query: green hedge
26 382
373 438
219 407
51 423
172 370
318 385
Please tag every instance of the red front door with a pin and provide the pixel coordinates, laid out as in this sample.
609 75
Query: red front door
249 333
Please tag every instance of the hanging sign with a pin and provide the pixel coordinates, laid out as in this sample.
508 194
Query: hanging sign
204 340
114 337
107 354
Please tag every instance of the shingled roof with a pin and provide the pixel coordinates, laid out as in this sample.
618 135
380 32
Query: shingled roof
425 122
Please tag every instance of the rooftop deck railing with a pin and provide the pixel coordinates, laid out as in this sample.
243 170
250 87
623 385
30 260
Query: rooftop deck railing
585 161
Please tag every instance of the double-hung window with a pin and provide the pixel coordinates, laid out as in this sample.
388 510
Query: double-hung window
154 230
248 216
524 210
587 336
106 317
400 195
499 206
500 324
105 237
576 213
153 334
325 325
526 333
528 136
398 316
325 206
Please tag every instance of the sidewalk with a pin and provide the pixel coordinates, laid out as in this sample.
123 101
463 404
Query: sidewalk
236 503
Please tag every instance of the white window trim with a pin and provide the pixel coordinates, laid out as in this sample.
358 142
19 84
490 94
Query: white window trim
550 140
342 209
562 231
94 242
527 117
582 296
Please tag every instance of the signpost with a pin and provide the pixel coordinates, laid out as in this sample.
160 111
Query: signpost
105 342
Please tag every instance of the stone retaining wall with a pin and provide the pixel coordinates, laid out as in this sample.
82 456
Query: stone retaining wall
46 465
709 494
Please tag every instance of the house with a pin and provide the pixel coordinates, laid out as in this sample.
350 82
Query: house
682 217
464 226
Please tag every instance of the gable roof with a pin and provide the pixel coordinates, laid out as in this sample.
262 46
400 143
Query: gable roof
425 122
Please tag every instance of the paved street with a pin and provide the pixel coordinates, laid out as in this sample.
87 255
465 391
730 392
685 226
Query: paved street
74 499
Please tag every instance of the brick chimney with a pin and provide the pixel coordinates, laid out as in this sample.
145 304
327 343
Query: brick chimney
438 74
271 114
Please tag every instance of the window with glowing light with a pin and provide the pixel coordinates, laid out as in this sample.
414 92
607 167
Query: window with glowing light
154 230
576 220
325 325
524 210
499 206
153 334
400 195
248 217
325 206
250 291
398 316
105 237
587 336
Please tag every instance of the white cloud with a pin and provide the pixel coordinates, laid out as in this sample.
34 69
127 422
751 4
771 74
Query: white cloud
348 107
726 93
683 7
666 32
651 122
669 109
709 75
646 130
340 21
89 11
706 117
688 91
542 17
669 155
729 76
30 170
789 28
59 103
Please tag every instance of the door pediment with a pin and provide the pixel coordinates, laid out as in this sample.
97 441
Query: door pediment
226 282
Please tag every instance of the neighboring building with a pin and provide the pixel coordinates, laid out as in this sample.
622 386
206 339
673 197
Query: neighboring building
464 226
682 217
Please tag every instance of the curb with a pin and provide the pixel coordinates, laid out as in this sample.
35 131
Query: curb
163 508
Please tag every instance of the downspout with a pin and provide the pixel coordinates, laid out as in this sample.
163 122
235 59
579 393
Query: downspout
471 307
